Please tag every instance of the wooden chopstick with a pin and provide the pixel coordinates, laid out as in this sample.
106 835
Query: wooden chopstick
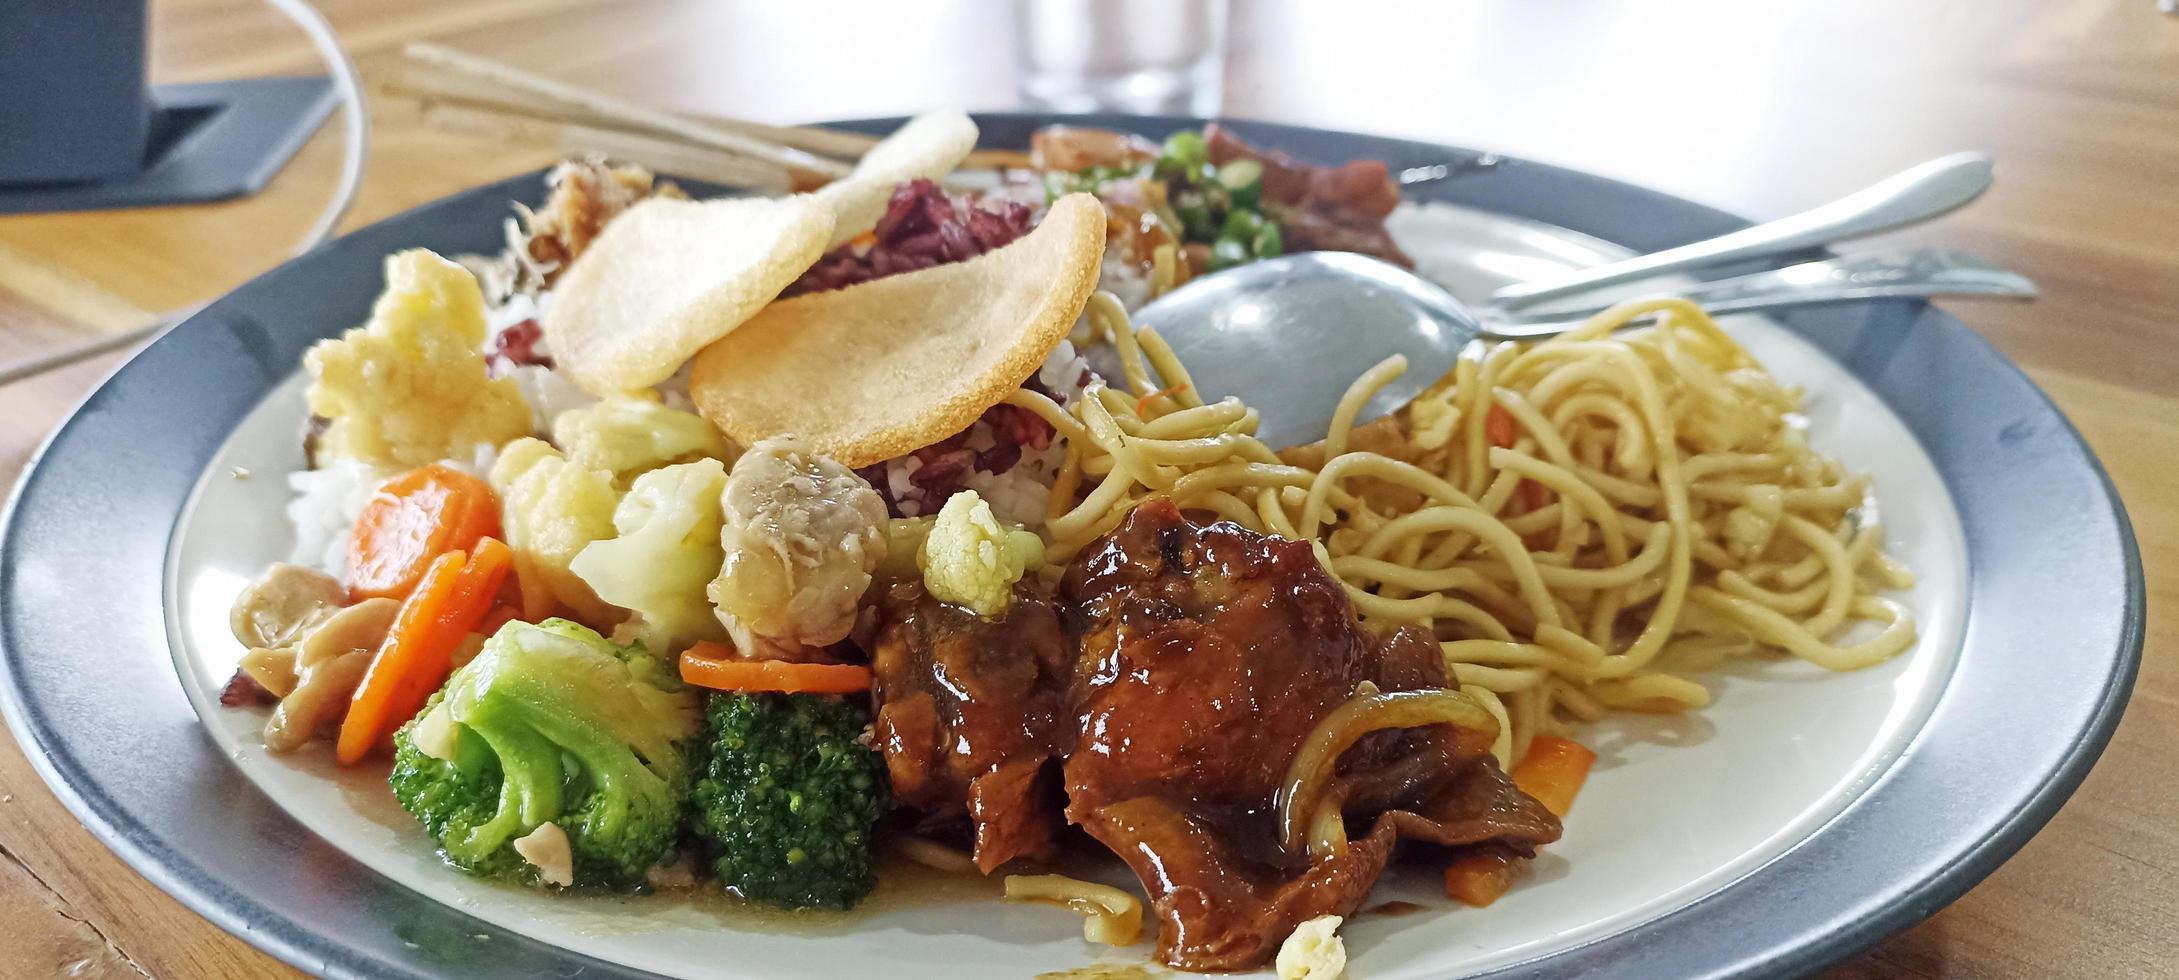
437 76
575 139
517 86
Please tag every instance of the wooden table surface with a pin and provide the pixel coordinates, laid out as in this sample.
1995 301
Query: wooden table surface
1761 108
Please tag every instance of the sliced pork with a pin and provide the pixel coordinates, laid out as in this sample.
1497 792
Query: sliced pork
971 714
1208 654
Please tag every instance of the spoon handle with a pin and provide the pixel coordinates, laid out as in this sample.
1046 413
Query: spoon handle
1919 194
1920 273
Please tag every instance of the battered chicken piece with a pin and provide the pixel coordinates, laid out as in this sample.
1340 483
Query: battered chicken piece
971 711
802 535
1207 655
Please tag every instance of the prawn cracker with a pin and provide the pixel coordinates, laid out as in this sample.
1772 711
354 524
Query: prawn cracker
929 146
879 369
669 276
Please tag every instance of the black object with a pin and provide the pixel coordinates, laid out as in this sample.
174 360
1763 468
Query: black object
80 131
75 108
208 141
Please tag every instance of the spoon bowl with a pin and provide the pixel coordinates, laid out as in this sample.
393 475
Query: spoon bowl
1291 334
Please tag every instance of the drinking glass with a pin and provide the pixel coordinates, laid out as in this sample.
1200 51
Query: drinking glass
1146 56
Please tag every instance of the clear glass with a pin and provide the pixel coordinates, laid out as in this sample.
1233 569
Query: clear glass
1148 56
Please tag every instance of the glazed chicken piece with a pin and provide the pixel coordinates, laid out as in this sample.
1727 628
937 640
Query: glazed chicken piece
1336 209
970 714
1207 656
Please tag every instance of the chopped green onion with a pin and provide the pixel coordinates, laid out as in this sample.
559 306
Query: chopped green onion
1242 224
1244 182
1268 243
1197 224
1185 154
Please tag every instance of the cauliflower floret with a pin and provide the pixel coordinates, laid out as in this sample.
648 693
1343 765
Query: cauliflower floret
970 559
1313 951
801 537
665 548
409 387
552 509
626 435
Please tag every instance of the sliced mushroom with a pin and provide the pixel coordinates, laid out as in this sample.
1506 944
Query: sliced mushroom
273 668
359 627
317 701
283 605
329 662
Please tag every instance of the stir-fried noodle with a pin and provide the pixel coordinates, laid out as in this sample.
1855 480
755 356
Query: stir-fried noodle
1582 520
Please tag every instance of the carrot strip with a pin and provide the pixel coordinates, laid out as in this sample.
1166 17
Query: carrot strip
1553 771
1534 496
456 593
1142 405
715 666
1499 427
1479 877
411 520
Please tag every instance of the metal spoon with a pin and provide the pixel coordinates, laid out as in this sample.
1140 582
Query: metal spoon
1288 335
1911 196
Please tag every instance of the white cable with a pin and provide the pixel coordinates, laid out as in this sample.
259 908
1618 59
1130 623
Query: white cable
356 127
355 120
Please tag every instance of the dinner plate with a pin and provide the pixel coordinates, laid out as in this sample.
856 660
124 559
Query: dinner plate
1803 815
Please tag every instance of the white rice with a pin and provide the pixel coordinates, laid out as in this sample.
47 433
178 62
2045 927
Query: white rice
516 309
1017 496
325 506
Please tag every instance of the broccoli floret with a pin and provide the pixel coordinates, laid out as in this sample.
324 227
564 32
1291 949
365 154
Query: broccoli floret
458 798
552 723
786 798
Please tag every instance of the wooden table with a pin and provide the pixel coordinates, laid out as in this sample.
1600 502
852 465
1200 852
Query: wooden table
1761 108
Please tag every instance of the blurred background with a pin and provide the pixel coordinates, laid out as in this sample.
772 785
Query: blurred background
1758 108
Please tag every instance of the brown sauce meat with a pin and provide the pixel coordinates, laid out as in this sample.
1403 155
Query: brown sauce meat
1208 652
1169 687
970 716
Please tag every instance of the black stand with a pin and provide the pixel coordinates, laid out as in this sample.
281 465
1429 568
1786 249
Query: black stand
209 141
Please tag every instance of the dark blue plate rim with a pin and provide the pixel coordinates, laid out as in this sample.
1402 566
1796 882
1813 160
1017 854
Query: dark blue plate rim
2052 642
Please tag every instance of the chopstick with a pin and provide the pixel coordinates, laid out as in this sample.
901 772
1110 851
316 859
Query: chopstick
440 77
566 101
651 152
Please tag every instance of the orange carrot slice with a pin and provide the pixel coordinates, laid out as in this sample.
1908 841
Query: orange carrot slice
1553 771
411 520
1534 496
1479 877
715 666
1499 427
450 602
